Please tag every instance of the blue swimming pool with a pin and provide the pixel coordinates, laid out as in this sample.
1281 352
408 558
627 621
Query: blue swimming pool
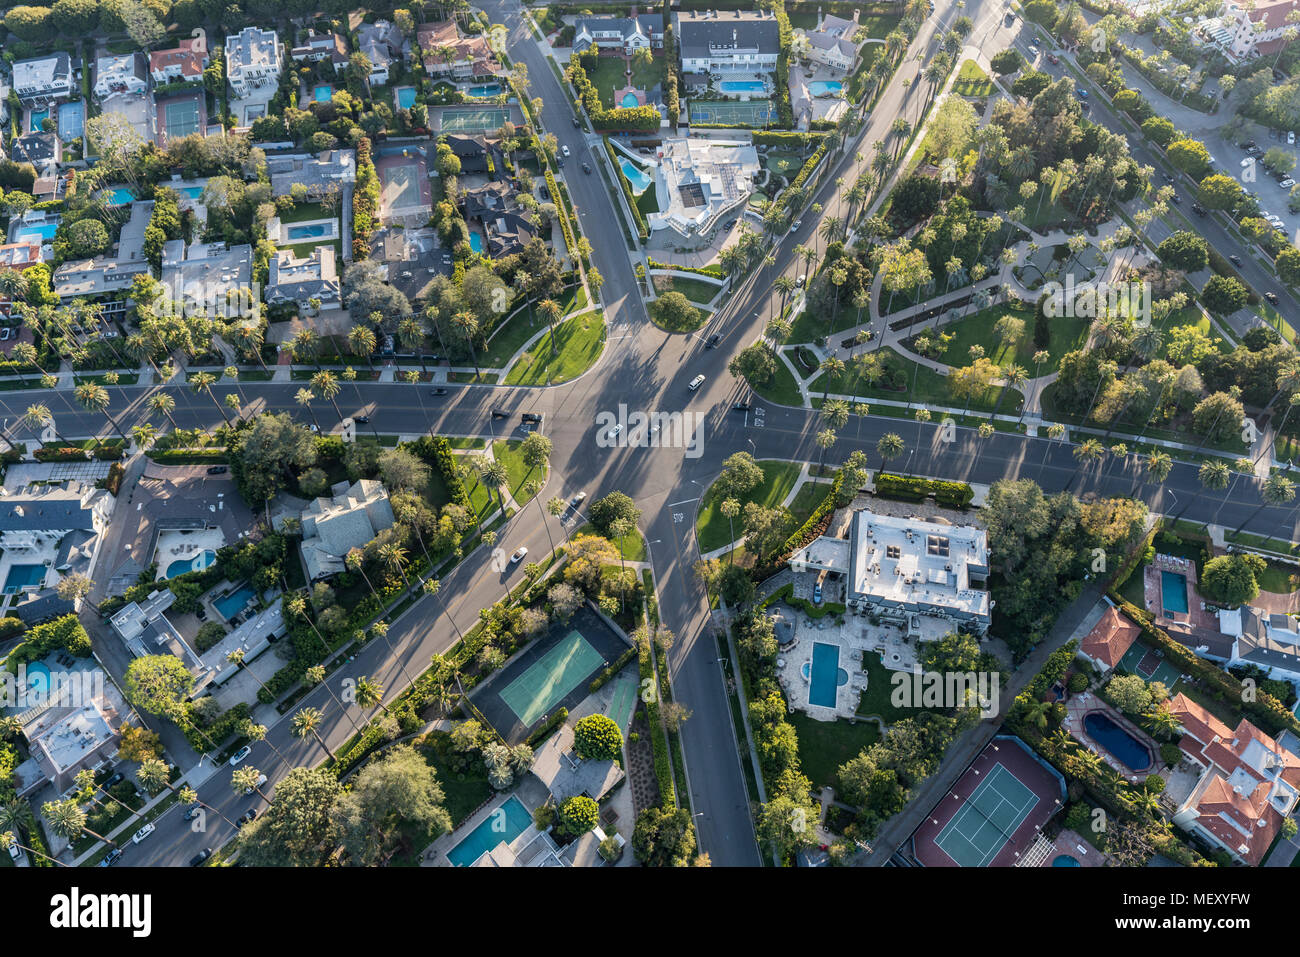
742 86
37 233
629 100
39 117
196 564
193 192
231 605
1173 591
487 89
72 120
825 87
120 196
1065 860
636 176
1131 752
405 97
323 93
475 241
500 827
23 576
825 676
310 231
38 677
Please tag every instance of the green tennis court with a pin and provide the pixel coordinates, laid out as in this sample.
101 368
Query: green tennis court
550 678
752 112
987 819
182 119
480 120
622 704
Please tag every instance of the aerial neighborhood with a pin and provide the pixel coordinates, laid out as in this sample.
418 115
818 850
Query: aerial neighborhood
503 434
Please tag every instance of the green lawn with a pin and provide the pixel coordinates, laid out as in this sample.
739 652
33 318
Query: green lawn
713 528
510 337
1279 579
977 329
578 344
305 213
808 327
784 162
608 76
875 700
464 792
507 452
809 496
918 383
633 547
825 745
688 323
782 389
972 80
696 290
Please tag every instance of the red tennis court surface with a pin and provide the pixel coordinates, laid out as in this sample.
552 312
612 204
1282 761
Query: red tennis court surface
1017 791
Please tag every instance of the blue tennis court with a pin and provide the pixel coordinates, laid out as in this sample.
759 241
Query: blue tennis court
987 819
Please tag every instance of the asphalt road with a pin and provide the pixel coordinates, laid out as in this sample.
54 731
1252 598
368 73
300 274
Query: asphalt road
645 369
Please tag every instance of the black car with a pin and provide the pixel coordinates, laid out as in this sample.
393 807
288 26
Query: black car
1235 260
361 419
586 168
713 340
116 778
200 857
439 392
741 407
577 123
217 470
559 161
498 414
1271 297
1249 144
1198 209
245 818
200 614
111 857
192 812
1176 199
532 417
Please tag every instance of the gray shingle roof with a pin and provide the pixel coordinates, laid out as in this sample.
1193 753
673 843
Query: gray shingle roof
700 32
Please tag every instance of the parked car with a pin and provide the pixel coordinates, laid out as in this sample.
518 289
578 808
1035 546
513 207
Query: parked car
741 407
1053 59
1080 92
1176 199
192 812
200 857
577 500
577 123
1272 297
141 834
817 593
1248 162
1287 183
261 779
533 417
217 470
565 151
439 392
240 754
696 383
1290 137
1198 209
800 281
1234 259
1033 50
361 419
498 414
794 227
518 556
110 858
249 815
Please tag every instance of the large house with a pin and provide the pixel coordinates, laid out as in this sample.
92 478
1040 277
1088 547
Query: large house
619 35
43 150
699 180
295 280
1249 29
181 64
1109 640
927 578
727 41
332 526
202 275
383 44
1266 640
77 729
118 75
43 79
1248 782
319 174
254 58
831 43
105 279
449 54
321 46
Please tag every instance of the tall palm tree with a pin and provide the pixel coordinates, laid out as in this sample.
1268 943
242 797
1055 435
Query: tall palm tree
431 588
1089 452
395 560
369 693
495 477
889 447
361 340
245 780
730 508
832 367
1055 432
38 417
306 721
555 507
326 383
93 397
257 732
164 403
315 675
303 397
201 383
1276 490
67 820
1157 466
1213 475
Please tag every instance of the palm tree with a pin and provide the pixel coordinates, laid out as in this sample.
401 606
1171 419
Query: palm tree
305 346
202 382
1156 467
38 417
306 721
555 507
496 477
824 439
1055 432
93 397
369 692
315 675
164 403
303 397
730 508
1089 452
394 558
15 816
245 781
1276 490
327 384
832 367
431 588
68 821
257 732
889 447
985 431
361 340
1214 475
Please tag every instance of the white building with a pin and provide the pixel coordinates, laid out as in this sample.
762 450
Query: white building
43 79
301 280
624 35
382 43
205 274
331 527
254 58
927 578
328 170
118 75
1246 30
1268 641
698 180
831 43
727 41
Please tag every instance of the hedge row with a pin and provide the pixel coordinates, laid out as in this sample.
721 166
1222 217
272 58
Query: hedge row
784 138
912 489
554 188
670 67
658 739
603 678
714 271
785 34
65 453
437 451
546 727
365 201
642 229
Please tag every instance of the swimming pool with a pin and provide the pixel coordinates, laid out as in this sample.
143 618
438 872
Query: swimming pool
1131 752
629 100
825 676
23 576
1173 591
310 231
500 827
120 196
231 605
38 678
487 89
825 87
475 241
39 117
742 86
636 176
323 93
193 192
196 564
1065 860
405 97
38 232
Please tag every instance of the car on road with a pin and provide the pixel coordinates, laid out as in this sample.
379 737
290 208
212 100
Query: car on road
1272 297
559 161
794 227
498 414
1198 209
1033 50
314 427
577 500
586 168
1248 162
1290 137
110 858
565 151
1010 19
577 123
1080 92
741 407
249 815
438 392
800 281
261 779
141 834
1053 59
518 556
217 470
614 433
533 417
696 382
200 857
1175 199
361 419
240 754
1287 183
713 340
1234 259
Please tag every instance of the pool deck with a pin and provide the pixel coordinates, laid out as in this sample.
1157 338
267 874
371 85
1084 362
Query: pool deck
1078 707
531 793
1180 625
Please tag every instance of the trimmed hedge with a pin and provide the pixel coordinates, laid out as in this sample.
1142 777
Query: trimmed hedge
436 450
784 138
912 489
546 727
554 189
714 271
603 678
786 594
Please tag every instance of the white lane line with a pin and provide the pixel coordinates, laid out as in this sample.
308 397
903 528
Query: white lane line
683 502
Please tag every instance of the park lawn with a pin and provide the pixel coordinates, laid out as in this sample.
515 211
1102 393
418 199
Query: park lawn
806 500
877 27
825 745
435 490
977 329
782 389
972 80
608 76
510 337
507 453
1278 579
712 527
633 547
808 327
1044 217
578 344
688 323
921 385
696 290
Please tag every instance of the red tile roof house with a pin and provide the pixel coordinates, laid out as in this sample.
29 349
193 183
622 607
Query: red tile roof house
1249 783
1109 639
184 63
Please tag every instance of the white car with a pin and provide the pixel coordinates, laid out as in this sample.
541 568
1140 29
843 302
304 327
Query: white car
261 779
800 281
240 754
1248 162
141 834
1033 50
1290 137
565 151
615 432
518 556
696 383
1287 183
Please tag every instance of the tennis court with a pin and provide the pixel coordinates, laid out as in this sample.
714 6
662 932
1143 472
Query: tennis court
477 120
1149 665
988 819
401 190
181 118
550 678
752 112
